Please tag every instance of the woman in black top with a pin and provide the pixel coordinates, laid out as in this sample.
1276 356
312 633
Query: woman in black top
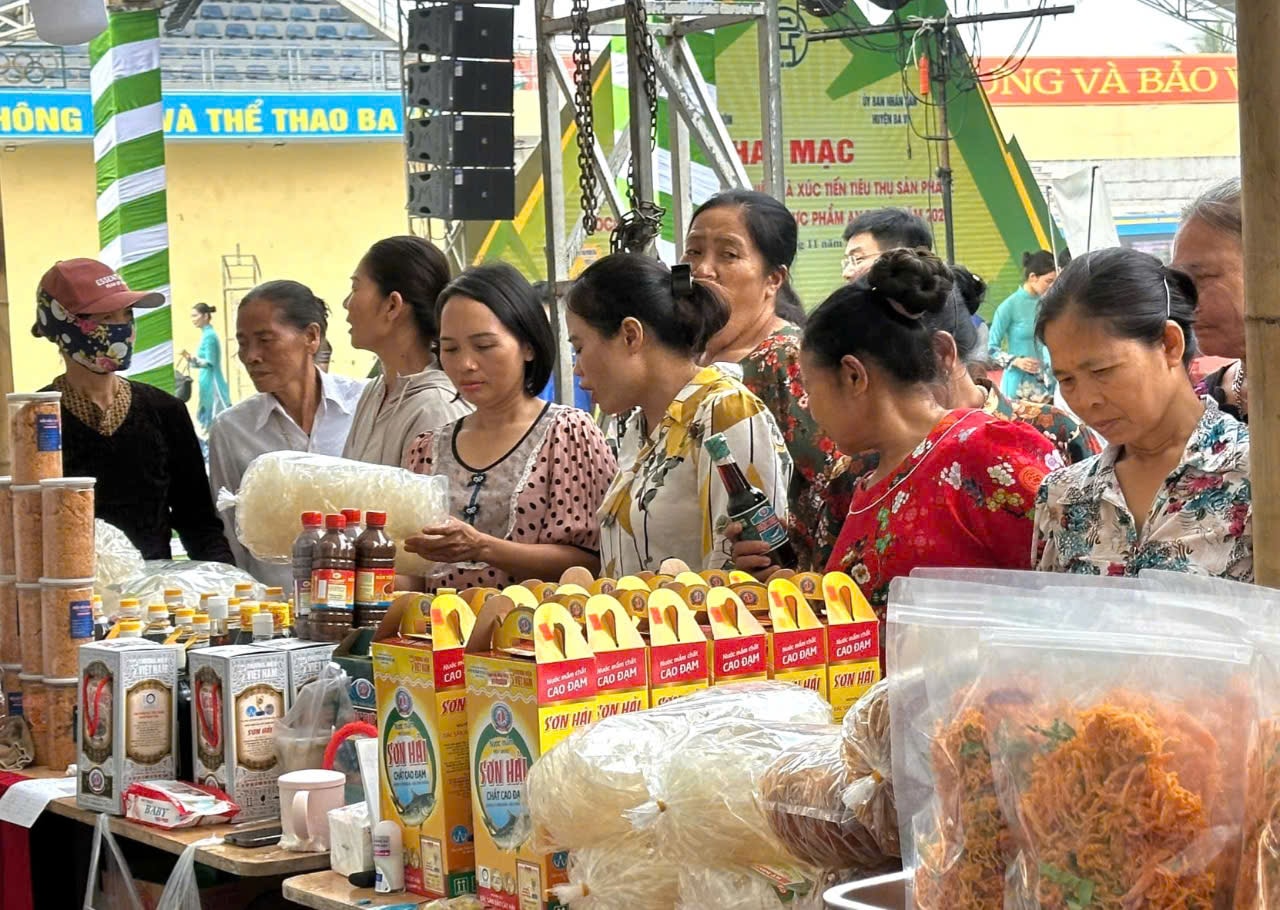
135 439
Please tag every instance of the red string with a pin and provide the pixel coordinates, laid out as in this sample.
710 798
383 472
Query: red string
211 736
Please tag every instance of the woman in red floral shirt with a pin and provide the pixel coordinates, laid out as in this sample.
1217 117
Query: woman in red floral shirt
952 488
744 243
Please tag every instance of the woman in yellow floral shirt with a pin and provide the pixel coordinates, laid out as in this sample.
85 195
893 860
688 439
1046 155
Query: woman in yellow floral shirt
638 330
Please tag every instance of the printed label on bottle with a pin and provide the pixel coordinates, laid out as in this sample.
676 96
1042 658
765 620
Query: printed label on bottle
14 702
331 589
149 722
374 587
81 618
48 433
762 523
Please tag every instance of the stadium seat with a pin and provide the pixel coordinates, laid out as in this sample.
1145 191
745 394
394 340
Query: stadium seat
257 72
188 72
322 72
360 32
195 51
273 14
332 14
324 53
233 52
226 72
168 52
327 32
266 30
298 32
355 53
212 11
282 72
208 30
302 14
353 74
238 31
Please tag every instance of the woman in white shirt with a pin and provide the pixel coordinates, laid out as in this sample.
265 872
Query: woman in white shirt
392 311
279 328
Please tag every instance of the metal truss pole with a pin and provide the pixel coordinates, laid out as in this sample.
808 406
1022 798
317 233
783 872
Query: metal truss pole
767 32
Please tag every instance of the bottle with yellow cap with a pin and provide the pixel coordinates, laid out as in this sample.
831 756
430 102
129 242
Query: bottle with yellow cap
201 629
129 628
158 628
280 619
174 598
183 626
244 592
233 620
248 611
129 610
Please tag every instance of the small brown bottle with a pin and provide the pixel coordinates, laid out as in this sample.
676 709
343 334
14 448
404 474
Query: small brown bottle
333 577
375 570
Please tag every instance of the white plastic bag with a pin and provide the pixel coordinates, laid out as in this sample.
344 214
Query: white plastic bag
110 885
279 486
321 709
613 875
181 891
191 577
579 791
118 558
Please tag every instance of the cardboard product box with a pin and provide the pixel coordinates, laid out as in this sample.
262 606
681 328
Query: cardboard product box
304 661
530 683
575 598
622 658
853 643
633 594
425 778
354 657
128 720
739 643
237 699
798 640
679 657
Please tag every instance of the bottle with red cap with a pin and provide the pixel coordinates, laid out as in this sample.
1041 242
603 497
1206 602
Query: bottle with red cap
353 528
375 570
333 579
304 548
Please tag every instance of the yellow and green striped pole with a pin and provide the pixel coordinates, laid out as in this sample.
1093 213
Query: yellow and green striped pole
128 148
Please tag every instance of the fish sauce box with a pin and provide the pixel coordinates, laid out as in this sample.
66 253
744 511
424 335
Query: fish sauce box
530 683
739 643
679 654
853 643
425 775
622 658
128 720
799 652
303 660
237 700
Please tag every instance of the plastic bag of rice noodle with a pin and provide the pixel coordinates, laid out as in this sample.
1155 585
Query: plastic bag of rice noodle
868 760
613 875
753 888
579 791
279 486
1118 782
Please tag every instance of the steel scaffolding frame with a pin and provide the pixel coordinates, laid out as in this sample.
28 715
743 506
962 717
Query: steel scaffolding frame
692 115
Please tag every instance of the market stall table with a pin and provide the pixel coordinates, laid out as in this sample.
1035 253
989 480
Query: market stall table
330 891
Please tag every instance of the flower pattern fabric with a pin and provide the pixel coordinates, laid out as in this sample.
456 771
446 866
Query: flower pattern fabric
963 499
772 373
1201 520
668 500
1073 441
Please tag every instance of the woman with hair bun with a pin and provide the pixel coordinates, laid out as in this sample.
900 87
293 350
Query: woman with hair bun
391 311
1012 341
951 488
1171 490
215 396
639 330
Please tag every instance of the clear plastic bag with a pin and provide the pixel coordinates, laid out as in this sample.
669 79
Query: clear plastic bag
802 796
613 875
279 486
118 559
1107 767
704 794
868 759
578 792
110 885
322 708
190 577
743 888
181 892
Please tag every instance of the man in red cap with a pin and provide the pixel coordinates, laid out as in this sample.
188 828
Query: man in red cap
136 440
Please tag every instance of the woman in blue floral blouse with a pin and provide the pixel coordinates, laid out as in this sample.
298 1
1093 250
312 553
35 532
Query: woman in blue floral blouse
1171 490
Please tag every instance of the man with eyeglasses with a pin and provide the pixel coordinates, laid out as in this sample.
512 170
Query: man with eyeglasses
879 231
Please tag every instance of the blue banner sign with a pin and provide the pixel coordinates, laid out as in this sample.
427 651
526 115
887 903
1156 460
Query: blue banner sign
224 115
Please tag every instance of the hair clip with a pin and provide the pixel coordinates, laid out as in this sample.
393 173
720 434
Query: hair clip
682 280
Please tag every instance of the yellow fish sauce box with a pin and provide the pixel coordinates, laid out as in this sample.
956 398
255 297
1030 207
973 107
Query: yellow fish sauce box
739 644
128 719
679 658
633 594
237 699
799 638
303 660
530 683
853 643
622 660
425 777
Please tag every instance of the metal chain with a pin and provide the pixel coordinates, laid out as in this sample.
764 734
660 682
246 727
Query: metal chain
584 115
638 227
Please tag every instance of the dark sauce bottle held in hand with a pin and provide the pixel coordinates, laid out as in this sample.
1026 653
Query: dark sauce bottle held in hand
749 506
